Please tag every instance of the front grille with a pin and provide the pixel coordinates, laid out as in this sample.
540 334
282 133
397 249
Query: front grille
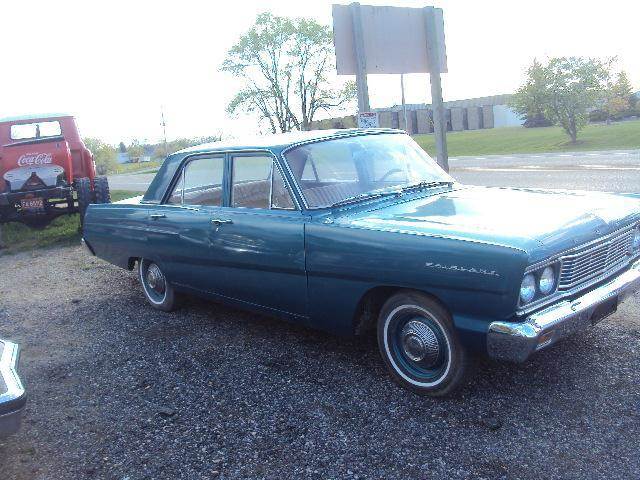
595 260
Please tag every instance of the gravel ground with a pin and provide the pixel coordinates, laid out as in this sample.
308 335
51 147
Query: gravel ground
118 390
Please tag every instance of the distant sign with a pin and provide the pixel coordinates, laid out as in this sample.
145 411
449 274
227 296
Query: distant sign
395 39
368 120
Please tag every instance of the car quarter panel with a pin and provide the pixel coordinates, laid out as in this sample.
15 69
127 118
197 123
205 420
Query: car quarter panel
477 282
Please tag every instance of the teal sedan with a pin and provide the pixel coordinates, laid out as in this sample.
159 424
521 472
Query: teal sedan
354 231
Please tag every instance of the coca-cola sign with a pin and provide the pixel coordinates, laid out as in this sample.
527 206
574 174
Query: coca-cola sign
29 159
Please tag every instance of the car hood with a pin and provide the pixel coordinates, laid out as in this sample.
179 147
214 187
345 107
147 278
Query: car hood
540 222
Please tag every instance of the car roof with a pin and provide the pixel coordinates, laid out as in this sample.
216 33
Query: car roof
280 140
43 116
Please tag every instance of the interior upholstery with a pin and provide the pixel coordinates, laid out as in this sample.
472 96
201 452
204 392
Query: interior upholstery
204 196
326 195
254 194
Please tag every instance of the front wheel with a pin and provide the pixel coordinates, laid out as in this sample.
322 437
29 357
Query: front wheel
419 345
159 292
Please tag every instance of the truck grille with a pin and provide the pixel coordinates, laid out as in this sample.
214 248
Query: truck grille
595 260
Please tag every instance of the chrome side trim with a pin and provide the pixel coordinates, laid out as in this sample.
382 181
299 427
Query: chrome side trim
517 341
12 401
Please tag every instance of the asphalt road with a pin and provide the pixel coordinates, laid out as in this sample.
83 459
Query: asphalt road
614 171
611 171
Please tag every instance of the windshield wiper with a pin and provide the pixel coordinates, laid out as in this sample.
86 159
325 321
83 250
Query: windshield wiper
423 185
361 197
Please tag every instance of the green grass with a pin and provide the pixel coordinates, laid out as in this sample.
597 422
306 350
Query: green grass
63 230
134 167
499 141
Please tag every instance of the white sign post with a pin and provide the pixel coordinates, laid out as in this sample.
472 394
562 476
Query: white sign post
394 40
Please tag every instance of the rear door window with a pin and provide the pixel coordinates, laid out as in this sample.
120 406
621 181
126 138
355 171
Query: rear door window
200 183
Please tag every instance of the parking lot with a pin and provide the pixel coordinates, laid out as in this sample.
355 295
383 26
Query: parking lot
119 390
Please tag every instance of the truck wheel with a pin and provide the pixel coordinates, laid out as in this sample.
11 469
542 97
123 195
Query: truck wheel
157 289
101 190
83 187
419 345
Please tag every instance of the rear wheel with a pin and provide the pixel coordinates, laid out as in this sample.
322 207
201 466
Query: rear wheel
83 187
159 292
101 190
419 344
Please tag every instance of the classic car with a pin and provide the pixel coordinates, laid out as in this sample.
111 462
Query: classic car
359 230
12 394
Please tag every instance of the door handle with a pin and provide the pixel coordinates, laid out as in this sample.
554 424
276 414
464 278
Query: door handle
221 221
156 216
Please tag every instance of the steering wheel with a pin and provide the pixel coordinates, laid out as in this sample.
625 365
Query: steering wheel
389 173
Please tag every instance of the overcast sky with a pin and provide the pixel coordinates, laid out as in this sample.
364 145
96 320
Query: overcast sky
114 63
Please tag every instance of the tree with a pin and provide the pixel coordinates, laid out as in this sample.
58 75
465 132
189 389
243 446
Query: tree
617 96
104 155
284 66
528 101
566 88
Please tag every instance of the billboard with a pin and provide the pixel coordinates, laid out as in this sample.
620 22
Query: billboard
394 40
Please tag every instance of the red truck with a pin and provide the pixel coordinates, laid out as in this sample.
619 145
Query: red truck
46 170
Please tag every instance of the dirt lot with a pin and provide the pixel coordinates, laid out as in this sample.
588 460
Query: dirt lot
118 390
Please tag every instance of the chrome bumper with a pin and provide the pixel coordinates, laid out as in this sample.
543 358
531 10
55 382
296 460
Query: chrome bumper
13 397
87 247
517 341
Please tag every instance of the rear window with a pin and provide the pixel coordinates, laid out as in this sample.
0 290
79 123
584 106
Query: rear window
26 131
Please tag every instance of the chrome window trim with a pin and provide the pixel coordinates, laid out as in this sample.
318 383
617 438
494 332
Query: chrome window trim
559 257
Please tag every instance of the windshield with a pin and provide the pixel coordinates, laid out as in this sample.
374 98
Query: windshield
332 171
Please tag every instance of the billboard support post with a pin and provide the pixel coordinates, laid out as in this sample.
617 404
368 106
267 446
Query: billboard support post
361 66
404 104
437 104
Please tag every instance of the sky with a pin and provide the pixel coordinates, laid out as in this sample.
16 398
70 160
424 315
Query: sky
116 64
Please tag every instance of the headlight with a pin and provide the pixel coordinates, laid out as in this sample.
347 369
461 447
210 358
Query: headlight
547 281
527 289
636 240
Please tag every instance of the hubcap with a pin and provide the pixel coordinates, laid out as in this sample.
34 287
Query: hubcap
155 279
420 343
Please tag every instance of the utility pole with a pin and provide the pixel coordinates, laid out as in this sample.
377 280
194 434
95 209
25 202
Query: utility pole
437 104
164 132
361 65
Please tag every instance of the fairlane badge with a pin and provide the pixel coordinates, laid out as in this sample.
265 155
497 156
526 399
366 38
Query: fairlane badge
458 268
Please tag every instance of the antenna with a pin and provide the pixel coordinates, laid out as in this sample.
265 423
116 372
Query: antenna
164 131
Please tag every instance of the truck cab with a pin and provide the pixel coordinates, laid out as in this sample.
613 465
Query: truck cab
45 170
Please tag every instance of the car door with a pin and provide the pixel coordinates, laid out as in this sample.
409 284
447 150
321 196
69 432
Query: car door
180 229
258 238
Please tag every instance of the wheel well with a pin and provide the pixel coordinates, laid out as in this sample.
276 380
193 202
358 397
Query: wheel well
368 309
131 263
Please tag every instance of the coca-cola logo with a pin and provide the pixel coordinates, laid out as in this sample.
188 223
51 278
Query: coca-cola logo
29 159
